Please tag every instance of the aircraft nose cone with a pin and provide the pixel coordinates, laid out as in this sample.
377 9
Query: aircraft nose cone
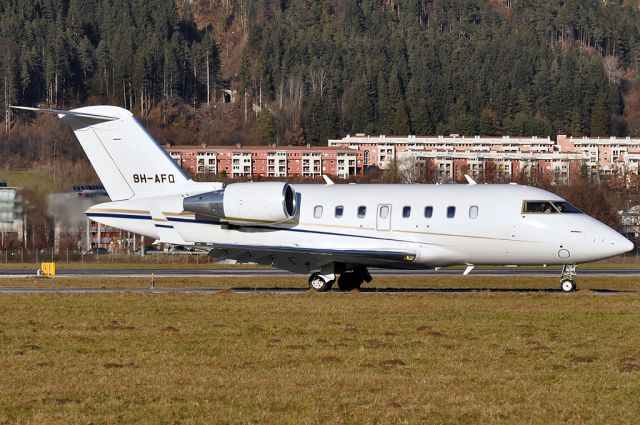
620 244
626 245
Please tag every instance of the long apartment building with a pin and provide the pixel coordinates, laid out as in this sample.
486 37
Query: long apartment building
268 161
451 156
505 157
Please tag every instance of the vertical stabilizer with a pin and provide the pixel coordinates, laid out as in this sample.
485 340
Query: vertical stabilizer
128 161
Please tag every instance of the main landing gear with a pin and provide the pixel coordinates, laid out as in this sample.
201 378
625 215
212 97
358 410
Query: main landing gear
320 283
349 279
567 282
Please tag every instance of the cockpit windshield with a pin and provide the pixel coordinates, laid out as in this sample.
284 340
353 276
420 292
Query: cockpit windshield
549 207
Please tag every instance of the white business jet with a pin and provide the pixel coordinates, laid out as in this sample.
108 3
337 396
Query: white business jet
332 232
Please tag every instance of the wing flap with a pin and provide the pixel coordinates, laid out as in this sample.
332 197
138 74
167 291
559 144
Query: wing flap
304 260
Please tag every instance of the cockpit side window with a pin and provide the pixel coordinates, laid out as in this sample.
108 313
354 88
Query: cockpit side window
565 207
538 207
548 207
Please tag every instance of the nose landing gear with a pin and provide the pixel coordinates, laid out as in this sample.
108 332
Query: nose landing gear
567 282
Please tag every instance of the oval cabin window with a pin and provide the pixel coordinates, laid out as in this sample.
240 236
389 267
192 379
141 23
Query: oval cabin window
428 212
451 212
473 211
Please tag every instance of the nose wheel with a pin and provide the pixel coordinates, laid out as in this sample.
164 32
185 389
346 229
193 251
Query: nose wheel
567 282
568 285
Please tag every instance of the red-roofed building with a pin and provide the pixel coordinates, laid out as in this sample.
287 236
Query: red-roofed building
268 161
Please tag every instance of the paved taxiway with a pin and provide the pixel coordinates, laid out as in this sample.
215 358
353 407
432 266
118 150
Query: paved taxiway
285 291
106 272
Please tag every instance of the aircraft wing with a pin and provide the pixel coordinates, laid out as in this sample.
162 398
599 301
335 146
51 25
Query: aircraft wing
305 260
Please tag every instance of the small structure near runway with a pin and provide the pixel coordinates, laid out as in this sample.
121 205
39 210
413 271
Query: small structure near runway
47 269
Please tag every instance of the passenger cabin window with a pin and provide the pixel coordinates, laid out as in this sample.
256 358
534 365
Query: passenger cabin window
339 211
406 212
384 211
317 211
473 211
362 211
548 207
451 212
428 212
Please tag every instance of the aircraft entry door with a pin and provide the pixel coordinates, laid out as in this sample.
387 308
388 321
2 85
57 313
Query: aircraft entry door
383 221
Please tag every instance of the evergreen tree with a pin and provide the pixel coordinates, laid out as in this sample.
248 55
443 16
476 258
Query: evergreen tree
599 121
265 122
489 124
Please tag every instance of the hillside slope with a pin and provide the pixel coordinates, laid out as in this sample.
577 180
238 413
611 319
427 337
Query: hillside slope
306 70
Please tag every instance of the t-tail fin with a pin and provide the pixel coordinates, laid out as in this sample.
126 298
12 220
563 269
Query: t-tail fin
128 161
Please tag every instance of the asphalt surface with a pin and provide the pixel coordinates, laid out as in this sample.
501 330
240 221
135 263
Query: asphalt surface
285 291
510 271
102 272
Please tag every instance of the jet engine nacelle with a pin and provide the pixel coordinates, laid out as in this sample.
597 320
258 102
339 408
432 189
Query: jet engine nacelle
261 202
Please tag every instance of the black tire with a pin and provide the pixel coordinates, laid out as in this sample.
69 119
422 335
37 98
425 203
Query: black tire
349 280
318 284
344 285
568 286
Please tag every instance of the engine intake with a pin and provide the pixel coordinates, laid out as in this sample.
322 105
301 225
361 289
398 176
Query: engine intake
266 202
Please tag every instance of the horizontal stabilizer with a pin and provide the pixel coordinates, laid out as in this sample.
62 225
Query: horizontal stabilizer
63 113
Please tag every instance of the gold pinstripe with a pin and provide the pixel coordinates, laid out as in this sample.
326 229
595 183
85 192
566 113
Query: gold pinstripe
325 225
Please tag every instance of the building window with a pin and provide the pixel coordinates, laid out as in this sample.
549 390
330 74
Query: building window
406 212
339 211
473 211
317 211
362 211
428 212
366 157
451 212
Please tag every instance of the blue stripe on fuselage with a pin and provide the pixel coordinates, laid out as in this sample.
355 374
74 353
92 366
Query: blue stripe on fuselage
128 216
164 226
184 220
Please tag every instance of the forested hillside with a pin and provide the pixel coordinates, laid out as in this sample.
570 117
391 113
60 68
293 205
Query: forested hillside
308 70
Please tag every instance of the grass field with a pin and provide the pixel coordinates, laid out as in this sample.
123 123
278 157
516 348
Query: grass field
626 283
37 181
477 357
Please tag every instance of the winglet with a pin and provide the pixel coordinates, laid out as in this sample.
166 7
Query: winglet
468 269
62 113
327 179
469 179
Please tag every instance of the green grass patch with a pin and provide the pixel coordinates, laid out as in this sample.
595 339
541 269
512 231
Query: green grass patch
37 181
319 358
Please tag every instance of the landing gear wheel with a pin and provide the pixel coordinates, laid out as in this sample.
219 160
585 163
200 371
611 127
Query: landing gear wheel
349 280
568 285
317 283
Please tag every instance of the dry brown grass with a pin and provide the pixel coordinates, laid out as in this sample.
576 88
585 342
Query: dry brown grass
321 358
381 283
